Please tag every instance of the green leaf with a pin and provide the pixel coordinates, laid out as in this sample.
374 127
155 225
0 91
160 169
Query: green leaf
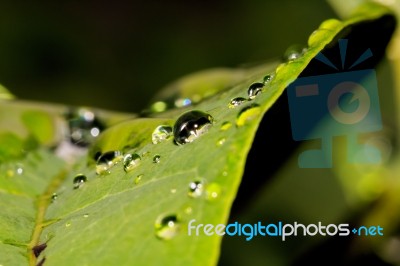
114 217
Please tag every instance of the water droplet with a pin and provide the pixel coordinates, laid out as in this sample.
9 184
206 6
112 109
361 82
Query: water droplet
267 78
213 191
247 114
226 125
196 189
254 90
167 227
68 224
108 160
156 158
19 170
158 107
138 179
161 133
79 181
235 102
173 190
221 141
54 197
191 125
131 161
84 127
182 102
330 24
294 52
188 210
86 215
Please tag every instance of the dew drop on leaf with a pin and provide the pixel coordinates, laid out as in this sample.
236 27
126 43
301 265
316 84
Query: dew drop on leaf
267 79
247 114
221 141
167 227
156 158
191 125
254 90
107 160
161 133
138 179
131 161
68 224
86 215
79 181
195 189
226 125
235 102
213 191
54 197
294 52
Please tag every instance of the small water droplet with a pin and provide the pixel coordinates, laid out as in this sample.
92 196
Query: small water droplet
188 210
173 190
79 181
213 191
86 215
191 125
138 179
19 170
108 160
235 102
196 189
54 197
131 161
167 227
254 90
221 141
68 224
156 158
294 52
158 107
161 133
247 114
226 125
182 102
267 78
84 126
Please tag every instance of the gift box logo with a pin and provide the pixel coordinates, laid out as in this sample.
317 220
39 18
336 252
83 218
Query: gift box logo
348 104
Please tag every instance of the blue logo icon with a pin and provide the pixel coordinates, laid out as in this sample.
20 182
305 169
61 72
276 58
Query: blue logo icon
346 102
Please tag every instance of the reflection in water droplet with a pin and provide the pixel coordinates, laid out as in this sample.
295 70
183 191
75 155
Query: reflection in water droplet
138 179
247 114
221 141
167 227
235 102
108 160
79 181
161 133
254 90
156 158
226 125
191 125
131 161
195 189
84 127
213 191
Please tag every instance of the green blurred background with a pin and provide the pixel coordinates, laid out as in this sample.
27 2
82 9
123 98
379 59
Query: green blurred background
117 55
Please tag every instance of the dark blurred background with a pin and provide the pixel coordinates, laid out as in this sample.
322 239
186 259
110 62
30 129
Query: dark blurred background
118 55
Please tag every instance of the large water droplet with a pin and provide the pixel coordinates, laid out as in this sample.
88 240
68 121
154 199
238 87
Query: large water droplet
156 158
213 191
247 114
196 189
107 160
79 181
191 125
254 90
84 127
131 161
161 133
235 102
167 227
